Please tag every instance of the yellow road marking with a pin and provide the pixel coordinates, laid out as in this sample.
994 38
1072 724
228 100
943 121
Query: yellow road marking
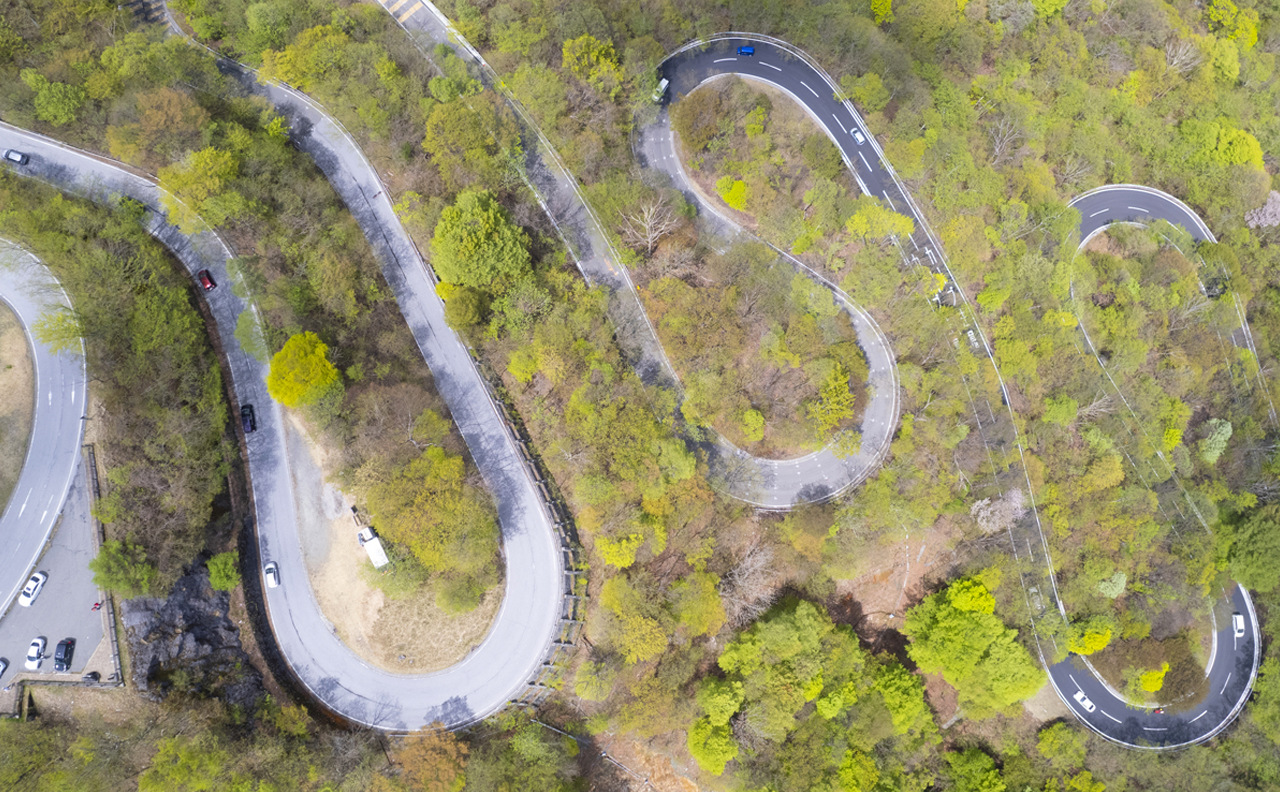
396 5
416 8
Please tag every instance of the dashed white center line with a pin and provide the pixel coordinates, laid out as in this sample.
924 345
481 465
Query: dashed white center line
24 502
864 160
887 198
1100 211
1198 717
1151 728
1224 685
843 128
1104 712
1139 209
722 60
806 85
770 65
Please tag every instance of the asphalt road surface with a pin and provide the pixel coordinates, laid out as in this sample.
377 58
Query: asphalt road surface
53 451
1228 683
501 666
1230 675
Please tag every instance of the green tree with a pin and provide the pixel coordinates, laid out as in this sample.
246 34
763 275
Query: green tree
198 190
1217 433
594 62
1063 746
1251 546
903 694
955 633
638 631
711 746
594 681
224 571
972 770
122 567
733 192
1090 635
301 373
883 11
1061 410
696 601
874 221
477 245
835 402
57 103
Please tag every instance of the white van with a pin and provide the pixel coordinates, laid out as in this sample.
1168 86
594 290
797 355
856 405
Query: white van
1237 622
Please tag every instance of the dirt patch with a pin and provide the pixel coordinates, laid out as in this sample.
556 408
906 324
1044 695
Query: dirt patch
114 706
655 766
1046 705
943 698
896 575
17 401
410 635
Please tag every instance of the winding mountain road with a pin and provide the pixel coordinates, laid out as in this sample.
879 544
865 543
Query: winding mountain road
53 449
527 622
1230 674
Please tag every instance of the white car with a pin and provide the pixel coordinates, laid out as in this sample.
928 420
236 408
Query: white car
857 137
35 653
1237 623
1084 702
272 574
4 666
32 589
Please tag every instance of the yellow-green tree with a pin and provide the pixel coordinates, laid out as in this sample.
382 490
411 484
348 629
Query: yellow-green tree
477 245
874 221
1089 636
594 62
301 373
199 188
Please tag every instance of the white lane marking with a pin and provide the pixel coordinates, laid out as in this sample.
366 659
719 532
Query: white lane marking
913 242
722 60
1073 679
1152 728
50 397
806 85
890 200
1198 717
843 128
1224 685
770 65
24 501
42 516
1100 211
1139 209
1104 712
862 157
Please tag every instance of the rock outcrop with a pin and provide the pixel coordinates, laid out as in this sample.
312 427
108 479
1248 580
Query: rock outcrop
187 643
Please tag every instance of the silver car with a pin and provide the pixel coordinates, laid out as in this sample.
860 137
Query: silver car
35 653
1237 624
1084 702
32 589
272 573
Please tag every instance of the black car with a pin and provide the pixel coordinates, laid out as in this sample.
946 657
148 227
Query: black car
247 420
62 655
16 157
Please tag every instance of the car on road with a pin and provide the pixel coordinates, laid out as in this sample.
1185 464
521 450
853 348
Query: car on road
1037 601
4 666
1237 624
16 157
858 137
206 280
32 590
272 573
746 52
247 419
35 653
62 655
1084 702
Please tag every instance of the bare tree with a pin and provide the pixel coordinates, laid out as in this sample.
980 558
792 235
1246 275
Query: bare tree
1190 311
1000 515
1005 135
1074 169
1266 215
750 587
1182 55
1100 406
649 224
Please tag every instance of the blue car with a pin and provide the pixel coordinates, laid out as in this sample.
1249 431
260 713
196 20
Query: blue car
746 51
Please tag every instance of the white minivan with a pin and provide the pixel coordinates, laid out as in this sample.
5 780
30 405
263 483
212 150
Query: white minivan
1237 622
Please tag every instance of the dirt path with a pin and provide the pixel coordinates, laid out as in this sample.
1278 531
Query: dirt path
408 635
17 401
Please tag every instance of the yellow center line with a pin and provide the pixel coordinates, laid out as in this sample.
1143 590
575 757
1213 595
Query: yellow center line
396 5
416 8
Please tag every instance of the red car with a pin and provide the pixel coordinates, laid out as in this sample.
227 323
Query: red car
206 280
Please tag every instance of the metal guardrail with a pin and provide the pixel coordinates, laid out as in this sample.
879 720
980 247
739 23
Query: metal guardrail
100 536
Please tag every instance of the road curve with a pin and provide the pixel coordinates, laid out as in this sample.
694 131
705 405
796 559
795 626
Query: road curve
1229 677
53 447
766 483
528 619
1233 665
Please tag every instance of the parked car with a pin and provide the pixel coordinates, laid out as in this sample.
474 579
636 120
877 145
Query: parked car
16 157
247 420
32 590
35 653
746 52
272 573
1237 623
206 280
4 666
1084 701
62 655
858 137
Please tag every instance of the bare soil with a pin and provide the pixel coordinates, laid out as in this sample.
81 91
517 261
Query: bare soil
17 401
408 636
897 575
